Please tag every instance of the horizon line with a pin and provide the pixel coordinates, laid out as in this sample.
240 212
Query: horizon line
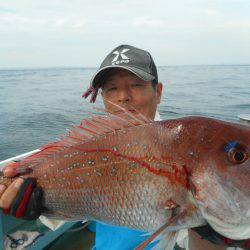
92 67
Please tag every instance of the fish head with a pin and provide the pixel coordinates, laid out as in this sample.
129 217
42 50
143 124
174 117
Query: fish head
220 176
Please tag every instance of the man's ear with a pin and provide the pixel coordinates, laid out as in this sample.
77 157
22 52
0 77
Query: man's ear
159 87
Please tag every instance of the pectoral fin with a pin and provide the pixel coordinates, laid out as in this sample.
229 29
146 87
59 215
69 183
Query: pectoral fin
172 235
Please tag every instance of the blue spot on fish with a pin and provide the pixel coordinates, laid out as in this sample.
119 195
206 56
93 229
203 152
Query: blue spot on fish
230 145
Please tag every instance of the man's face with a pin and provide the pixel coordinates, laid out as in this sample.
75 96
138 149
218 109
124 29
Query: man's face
130 92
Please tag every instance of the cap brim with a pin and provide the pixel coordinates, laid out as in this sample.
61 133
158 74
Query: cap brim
96 80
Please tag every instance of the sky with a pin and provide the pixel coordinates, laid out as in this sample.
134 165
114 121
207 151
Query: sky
61 33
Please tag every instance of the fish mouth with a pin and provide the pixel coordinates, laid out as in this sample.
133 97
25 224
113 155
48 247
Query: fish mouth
230 205
224 206
228 213
238 231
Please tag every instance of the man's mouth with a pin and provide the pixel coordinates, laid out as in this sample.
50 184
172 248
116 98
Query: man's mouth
122 111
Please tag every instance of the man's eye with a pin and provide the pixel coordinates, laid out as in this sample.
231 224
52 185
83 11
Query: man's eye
110 89
137 85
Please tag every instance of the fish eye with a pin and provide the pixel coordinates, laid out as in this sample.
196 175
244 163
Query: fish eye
237 155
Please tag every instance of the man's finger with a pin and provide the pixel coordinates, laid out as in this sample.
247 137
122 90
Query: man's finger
9 172
14 168
2 189
10 193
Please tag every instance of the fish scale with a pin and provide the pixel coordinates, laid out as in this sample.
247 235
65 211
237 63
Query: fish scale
128 210
104 191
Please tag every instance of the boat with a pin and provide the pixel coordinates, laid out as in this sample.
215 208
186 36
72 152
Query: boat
244 118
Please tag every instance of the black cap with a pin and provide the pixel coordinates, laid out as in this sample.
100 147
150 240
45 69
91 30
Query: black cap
133 59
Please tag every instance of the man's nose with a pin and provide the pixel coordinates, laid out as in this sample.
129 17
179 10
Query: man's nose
124 96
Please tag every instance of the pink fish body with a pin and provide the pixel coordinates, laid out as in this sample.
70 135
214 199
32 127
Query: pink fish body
139 174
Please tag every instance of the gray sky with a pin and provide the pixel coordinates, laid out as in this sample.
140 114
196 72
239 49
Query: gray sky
44 33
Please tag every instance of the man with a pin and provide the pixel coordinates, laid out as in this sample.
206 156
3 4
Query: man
128 78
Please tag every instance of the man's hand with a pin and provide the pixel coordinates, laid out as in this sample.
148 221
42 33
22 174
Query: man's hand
22 198
8 194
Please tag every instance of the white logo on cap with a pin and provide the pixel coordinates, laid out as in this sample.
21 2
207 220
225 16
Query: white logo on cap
118 54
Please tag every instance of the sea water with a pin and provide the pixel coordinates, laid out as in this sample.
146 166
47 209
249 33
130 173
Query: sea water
37 105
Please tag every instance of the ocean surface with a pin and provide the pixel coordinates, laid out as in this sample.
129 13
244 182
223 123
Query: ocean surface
37 105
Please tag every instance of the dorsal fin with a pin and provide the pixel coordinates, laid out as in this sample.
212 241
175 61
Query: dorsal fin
93 127
100 125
